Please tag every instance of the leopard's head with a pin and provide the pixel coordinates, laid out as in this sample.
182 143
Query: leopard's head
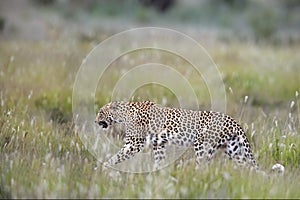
108 115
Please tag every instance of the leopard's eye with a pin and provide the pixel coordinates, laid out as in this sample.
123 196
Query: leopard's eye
110 118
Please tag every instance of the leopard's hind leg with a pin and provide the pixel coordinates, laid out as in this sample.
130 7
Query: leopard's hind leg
238 149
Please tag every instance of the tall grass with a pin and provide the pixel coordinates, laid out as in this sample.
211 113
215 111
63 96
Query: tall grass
43 157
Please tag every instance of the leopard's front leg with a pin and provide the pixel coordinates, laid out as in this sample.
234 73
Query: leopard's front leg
130 148
159 141
159 155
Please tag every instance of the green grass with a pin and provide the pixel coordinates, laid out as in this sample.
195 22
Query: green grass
42 156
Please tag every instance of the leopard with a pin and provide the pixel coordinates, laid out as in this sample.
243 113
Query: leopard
204 131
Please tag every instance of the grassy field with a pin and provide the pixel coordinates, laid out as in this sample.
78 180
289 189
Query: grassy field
43 157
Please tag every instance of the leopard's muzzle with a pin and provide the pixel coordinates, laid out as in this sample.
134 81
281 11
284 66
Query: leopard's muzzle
104 124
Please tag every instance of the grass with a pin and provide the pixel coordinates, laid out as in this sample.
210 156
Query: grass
43 157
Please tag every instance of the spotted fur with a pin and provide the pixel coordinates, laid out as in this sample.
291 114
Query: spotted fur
206 131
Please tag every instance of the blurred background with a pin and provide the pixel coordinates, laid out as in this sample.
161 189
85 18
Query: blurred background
274 21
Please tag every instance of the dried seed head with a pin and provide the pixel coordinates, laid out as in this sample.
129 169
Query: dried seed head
278 167
292 104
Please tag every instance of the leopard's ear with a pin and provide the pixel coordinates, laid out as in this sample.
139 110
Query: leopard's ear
114 105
